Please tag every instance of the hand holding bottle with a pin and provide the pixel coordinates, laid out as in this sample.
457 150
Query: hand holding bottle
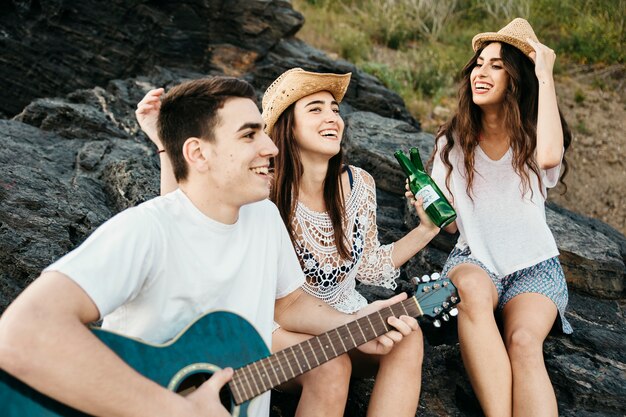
422 186
425 222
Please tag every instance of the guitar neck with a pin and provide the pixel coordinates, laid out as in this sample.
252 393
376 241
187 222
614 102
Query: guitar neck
265 374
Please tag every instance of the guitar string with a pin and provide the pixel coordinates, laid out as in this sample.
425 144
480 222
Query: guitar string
278 363
316 351
323 349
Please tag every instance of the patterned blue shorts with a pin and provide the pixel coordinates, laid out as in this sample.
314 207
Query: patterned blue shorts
545 278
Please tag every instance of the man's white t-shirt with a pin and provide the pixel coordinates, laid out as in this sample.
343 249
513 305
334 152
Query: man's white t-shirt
152 269
504 229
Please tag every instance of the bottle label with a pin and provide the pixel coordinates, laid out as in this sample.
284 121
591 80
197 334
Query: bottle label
428 194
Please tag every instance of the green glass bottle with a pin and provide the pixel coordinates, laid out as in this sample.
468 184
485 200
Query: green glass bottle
416 160
435 203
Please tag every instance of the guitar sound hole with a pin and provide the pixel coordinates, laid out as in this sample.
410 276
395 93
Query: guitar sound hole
193 382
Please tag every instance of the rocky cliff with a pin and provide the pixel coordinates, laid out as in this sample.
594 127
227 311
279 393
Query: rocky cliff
72 156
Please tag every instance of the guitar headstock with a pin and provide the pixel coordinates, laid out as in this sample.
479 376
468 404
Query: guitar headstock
437 297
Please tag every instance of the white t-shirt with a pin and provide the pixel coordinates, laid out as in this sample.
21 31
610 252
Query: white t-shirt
505 230
152 269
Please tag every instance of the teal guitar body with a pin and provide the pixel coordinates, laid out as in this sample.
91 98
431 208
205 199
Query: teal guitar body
216 340
222 339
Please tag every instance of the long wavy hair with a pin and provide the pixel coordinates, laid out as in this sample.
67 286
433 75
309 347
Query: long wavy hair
288 173
520 106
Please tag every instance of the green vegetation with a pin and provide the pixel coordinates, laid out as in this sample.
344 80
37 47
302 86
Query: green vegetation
581 127
418 47
579 96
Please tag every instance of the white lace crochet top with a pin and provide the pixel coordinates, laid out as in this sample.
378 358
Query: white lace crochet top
329 277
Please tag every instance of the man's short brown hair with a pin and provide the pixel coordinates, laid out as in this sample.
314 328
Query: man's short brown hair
190 110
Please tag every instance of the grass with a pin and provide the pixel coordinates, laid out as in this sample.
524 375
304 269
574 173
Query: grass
579 96
417 47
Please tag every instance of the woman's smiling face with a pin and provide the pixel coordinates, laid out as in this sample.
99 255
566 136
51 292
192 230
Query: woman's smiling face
318 127
489 80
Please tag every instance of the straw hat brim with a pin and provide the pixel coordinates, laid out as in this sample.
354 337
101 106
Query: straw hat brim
516 33
295 84
479 40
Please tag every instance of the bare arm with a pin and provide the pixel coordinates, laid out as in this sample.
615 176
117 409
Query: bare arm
147 114
304 313
380 263
45 343
549 129
414 241
451 228
294 313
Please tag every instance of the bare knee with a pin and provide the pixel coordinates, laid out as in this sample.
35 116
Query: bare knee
476 291
330 379
408 354
523 346
412 347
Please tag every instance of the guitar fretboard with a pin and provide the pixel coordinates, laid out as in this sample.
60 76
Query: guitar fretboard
265 374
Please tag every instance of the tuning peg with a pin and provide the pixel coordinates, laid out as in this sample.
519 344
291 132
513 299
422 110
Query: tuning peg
435 276
426 288
436 286
454 299
415 280
454 312
437 310
445 317
425 278
445 304
437 323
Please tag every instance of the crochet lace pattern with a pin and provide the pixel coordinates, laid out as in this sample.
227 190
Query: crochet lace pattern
329 277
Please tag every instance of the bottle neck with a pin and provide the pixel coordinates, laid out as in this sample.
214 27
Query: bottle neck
405 164
416 159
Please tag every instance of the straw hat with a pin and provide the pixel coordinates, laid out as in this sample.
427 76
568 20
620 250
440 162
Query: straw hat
515 33
296 83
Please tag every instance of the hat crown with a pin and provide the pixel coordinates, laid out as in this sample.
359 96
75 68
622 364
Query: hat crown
270 93
516 33
519 29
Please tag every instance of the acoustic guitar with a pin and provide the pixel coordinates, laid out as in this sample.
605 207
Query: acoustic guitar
222 339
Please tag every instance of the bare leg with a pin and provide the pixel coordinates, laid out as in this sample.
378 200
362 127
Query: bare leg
398 380
324 390
528 319
482 348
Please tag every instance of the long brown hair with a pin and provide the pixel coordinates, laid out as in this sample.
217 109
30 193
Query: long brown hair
288 173
520 106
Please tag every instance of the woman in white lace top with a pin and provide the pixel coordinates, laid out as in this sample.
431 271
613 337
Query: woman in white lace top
329 276
329 210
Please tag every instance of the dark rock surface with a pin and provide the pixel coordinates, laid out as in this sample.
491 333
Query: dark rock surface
56 46
72 159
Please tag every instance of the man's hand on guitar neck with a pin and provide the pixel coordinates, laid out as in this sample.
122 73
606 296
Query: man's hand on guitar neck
404 326
294 313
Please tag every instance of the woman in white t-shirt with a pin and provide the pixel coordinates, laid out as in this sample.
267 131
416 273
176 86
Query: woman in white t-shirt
495 159
329 210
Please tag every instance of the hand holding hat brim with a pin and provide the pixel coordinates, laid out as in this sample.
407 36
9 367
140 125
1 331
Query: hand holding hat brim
544 59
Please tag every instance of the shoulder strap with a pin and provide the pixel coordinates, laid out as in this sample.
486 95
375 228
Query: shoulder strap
346 167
